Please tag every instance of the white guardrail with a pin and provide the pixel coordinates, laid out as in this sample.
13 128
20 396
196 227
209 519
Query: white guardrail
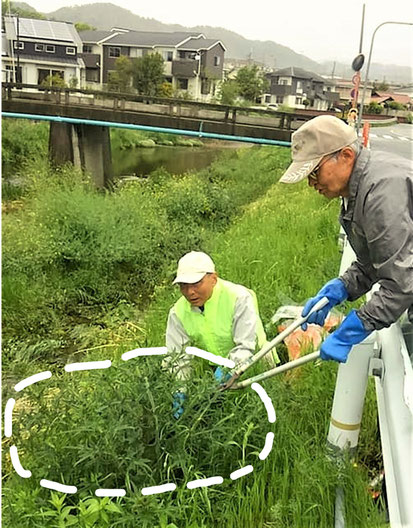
391 366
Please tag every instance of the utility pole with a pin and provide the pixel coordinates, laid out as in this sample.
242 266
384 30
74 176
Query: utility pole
362 29
18 76
368 64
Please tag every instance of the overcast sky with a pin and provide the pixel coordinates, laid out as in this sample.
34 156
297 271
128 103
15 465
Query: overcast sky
320 29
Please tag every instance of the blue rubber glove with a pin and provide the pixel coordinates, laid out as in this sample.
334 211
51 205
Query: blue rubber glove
338 345
336 293
221 375
178 404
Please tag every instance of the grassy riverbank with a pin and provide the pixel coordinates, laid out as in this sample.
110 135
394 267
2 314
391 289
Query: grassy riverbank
77 262
25 142
87 276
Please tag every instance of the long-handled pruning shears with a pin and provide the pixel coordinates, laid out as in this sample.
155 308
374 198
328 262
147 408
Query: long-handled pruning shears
242 367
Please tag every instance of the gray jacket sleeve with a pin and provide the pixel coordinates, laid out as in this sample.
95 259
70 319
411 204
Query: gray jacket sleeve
387 223
176 340
244 326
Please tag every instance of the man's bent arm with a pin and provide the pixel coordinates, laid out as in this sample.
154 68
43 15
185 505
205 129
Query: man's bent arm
389 235
176 340
244 324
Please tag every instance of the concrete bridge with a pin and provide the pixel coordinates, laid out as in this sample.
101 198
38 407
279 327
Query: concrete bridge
77 134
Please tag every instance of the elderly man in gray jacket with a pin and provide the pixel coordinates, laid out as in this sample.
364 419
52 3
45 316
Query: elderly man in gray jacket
377 216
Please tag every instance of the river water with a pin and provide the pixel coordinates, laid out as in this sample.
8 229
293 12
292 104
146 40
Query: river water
176 160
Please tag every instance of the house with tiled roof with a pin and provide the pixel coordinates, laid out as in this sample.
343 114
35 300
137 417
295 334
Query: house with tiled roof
345 88
193 64
386 97
33 50
292 86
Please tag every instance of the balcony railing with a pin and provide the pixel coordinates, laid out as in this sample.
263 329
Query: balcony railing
185 68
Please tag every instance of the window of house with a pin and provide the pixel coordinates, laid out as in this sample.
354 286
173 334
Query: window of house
50 48
168 56
280 99
181 54
39 47
19 45
168 79
299 87
217 60
13 73
267 99
92 75
298 100
43 74
114 52
283 81
70 51
183 84
87 48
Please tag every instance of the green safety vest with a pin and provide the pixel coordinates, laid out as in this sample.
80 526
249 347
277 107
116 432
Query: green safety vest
211 330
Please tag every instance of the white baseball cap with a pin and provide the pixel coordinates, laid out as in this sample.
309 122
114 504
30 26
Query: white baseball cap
193 266
315 139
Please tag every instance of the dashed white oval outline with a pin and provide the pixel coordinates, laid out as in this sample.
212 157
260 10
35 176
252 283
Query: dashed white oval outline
14 455
218 360
203 483
137 352
241 472
88 365
266 400
106 492
151 490
267 447
8 417
32 379
51 484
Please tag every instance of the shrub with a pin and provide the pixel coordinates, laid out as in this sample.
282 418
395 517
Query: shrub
22 143
374 108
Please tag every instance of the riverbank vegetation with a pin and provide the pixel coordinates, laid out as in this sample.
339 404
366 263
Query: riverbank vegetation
87 276
25 142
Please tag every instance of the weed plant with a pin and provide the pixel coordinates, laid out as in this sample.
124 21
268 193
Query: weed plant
23 142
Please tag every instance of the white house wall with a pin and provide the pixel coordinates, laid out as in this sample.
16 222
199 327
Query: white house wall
30 71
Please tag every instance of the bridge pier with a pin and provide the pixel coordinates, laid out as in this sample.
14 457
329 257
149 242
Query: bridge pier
86 146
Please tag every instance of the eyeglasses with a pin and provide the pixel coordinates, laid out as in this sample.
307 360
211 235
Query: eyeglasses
314 173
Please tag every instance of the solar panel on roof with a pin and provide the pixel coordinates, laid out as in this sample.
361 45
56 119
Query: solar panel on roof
44 29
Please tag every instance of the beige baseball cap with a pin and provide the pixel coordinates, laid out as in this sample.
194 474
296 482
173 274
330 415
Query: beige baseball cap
193 266
315 139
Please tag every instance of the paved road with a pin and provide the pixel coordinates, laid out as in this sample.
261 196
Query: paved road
397 139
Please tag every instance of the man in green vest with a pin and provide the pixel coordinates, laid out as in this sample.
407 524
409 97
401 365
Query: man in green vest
214 315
